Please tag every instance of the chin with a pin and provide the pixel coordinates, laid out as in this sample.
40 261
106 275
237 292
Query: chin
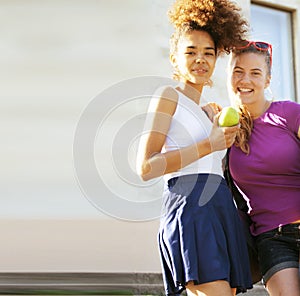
245 97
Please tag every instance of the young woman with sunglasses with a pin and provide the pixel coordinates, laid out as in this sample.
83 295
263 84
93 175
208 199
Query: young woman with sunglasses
265 165
201 243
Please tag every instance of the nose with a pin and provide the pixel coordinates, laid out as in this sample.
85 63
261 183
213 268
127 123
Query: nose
245 78
199 59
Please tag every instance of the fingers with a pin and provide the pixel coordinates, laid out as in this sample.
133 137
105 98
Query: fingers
222 137
215 120
230 135
216 107
211 109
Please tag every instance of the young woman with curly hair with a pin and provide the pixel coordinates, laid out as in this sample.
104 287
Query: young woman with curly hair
265 164
201 242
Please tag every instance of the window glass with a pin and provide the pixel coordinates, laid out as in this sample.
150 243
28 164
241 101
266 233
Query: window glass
275 26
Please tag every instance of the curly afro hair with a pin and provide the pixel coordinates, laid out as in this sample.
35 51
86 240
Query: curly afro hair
220 18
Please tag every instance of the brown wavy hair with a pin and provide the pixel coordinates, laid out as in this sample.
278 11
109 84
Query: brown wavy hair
220 18
244 132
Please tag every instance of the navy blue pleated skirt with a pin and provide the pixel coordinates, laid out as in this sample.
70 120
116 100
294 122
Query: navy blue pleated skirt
200 237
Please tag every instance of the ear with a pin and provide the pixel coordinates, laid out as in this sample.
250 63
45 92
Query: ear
268 81
173 60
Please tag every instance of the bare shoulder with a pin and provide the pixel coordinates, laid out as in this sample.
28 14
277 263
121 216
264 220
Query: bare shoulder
165 100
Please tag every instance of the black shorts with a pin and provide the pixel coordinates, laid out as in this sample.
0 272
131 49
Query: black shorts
278 249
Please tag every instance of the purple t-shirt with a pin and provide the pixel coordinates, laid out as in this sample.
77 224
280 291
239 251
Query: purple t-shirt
270 175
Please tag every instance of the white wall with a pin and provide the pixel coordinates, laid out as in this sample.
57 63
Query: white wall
56 55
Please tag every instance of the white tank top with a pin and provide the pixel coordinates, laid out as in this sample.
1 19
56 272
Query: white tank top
189 125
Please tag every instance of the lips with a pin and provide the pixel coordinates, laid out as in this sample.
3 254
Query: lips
200 71
244 90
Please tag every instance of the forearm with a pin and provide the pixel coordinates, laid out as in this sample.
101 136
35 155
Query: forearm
172 161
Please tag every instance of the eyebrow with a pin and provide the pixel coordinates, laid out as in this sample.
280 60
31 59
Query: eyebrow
254 69
193 47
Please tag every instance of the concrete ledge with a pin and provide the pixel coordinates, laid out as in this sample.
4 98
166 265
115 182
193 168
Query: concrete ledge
64 283
81 283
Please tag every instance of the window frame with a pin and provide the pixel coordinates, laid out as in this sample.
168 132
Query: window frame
292 7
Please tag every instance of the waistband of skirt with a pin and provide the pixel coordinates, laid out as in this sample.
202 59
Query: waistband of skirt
198 178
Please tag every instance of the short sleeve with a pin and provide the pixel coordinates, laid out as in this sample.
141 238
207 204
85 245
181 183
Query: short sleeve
292 113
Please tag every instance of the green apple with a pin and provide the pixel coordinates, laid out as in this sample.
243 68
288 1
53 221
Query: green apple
229 117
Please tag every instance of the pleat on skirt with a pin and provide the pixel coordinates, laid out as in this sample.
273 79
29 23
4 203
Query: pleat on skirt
200 236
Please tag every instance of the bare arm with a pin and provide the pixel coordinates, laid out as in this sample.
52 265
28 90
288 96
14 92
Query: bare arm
299 132
154 163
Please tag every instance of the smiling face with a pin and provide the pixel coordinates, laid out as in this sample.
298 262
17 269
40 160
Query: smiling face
249 77
195 58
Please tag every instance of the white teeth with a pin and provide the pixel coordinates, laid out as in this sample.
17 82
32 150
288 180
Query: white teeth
245 89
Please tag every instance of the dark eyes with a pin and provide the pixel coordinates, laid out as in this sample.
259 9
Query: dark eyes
240 72
237 72
206 53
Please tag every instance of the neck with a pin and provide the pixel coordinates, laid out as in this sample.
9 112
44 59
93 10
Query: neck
258 109
193 92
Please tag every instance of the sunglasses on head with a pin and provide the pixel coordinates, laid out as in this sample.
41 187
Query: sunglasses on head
259 45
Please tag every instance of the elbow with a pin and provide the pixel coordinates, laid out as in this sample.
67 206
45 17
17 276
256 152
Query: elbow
145 178
145 172
149 169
